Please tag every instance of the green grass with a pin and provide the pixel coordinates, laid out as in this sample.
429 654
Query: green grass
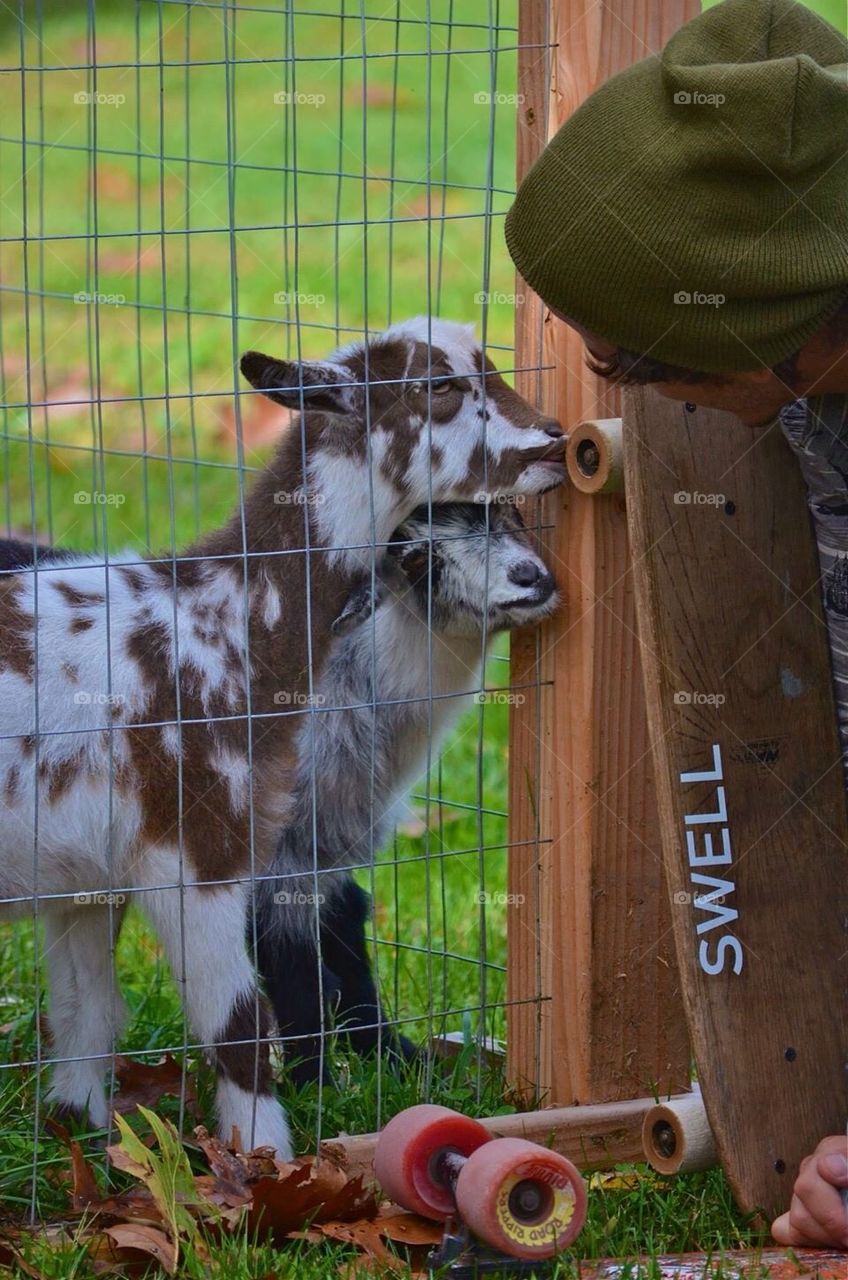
652 1218
833 10
177 275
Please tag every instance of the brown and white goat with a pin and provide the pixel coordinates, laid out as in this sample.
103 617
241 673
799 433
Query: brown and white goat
148 709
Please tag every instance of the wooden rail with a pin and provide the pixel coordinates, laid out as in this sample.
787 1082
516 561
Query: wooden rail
593 1137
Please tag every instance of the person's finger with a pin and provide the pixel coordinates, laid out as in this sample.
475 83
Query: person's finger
801 1227
826 1170
782 1230
833 1167
825 1210
798 1227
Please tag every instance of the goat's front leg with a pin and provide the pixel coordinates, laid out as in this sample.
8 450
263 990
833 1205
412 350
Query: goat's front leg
203 932
86 1012
344 918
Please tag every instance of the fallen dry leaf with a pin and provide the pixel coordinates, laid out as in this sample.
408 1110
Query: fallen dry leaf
363 1234
369 1264
85 1188
150 1240
107 1259
121 1159
9 1257
146 1083
306 1192
621 1181
135 1204
223 1162
379 96
146 259
304 1199
262 421
114 184
408 1228
71 396
83 1183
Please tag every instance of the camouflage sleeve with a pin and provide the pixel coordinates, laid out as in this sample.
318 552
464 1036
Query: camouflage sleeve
817 431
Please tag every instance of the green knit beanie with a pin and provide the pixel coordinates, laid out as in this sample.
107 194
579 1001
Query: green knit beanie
695 207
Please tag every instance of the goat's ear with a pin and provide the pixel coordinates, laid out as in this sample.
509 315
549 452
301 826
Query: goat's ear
323 386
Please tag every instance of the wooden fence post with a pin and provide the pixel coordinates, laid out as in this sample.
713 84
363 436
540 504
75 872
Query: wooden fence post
594 1011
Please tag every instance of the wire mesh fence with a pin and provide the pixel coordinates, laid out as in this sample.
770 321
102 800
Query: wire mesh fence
182 182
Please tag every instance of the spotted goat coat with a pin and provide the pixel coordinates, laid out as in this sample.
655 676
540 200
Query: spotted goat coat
147 720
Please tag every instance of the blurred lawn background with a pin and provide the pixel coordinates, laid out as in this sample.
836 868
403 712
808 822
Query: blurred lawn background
334 192
125 347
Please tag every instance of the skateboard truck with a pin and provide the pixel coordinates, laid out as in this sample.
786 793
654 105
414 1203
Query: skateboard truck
463 1257
508 1204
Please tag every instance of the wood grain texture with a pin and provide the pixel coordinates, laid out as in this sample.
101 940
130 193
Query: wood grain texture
595 1011
759 1264
738 685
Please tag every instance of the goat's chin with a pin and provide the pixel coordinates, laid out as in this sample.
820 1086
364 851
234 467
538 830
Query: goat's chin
539 477
516 615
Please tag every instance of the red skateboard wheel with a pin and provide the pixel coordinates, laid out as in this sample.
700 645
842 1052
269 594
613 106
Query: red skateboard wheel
406 1160
521 1199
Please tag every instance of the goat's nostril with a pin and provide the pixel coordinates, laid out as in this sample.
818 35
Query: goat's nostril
551 428
547 586
525 574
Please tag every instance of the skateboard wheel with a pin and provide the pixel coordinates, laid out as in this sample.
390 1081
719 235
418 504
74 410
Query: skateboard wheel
521 1199
406 1161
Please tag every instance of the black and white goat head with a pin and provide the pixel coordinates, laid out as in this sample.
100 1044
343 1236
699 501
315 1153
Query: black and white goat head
407 661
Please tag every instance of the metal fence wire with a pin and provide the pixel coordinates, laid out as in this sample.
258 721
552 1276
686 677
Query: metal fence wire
182 182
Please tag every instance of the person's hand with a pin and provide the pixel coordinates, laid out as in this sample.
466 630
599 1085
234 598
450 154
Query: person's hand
818 1215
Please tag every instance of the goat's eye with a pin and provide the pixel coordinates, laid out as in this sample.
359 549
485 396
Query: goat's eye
440 388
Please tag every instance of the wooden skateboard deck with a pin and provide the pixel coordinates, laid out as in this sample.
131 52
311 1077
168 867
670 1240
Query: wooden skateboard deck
765 1264
749 777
